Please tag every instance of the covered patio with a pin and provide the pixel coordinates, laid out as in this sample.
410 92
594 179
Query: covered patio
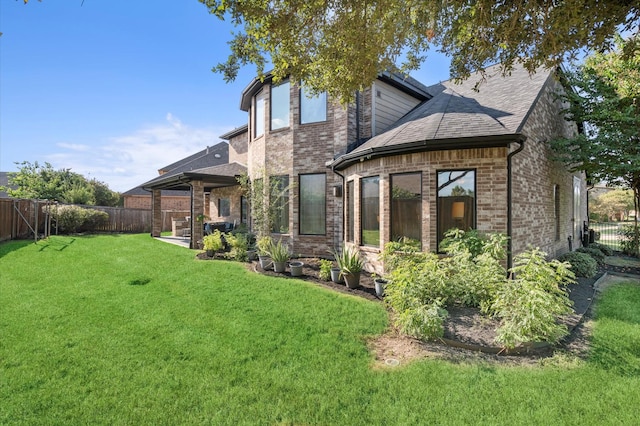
198 182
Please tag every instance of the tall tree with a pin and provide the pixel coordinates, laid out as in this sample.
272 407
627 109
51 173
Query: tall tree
340 46
604 94
44 182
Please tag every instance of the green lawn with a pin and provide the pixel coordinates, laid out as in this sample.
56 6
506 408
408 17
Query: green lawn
130 330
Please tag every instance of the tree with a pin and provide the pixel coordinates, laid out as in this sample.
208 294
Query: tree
604 93
614 204
341 46
43 182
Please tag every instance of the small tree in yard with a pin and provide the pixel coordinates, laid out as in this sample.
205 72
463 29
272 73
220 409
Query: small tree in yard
604 93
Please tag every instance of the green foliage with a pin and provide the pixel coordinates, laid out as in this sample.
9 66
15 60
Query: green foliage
278 251
349 260
396 252
456 240
608 251
325 269
239 243
612 205
43 182
263 244
597 254
530 303
72 219
582 264
265 195
341 46
422 321
213 241
603 93
630 239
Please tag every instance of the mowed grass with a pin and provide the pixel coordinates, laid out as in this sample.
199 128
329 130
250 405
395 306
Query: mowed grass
129 330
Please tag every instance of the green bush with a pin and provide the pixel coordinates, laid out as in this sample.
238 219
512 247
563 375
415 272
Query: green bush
239 244
608 251
423 321
630 239
325 269
582 264
71 219
529 304
597 254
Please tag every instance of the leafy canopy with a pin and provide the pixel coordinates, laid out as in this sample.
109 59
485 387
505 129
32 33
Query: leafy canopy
340 46
44 182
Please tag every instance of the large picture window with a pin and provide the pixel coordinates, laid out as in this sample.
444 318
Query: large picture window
456 201
280 106
313 109
244 210
351 209
370 211
224 207
406 206
279 201
313 204
259 115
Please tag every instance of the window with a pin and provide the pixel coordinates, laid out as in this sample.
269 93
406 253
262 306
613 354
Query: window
244 210
224 207
279 201
259 115
370 210
351 208
456 200
556 210
313 204
406 206
280 106
313 109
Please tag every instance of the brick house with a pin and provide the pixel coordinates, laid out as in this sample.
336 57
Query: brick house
407 160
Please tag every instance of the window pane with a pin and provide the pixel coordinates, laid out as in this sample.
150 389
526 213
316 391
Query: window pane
370 210
312 109
259 117
351 208
224 207
456 201
280 201
280 106
312 204
244 209
406 206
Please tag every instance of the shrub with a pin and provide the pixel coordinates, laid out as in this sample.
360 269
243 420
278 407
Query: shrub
630 239
72 219
239 244
530 304
597 254
608 251
423 321
349 260
472 240
582 264
213 241
325 269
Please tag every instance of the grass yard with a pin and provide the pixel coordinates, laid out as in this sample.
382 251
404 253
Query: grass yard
129 330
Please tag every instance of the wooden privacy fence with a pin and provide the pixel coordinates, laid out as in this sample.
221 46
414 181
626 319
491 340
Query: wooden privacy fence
21 219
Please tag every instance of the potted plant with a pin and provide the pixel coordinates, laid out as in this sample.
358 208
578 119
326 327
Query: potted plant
336 275
296 268
279 254
379 284
263 245
213 243
350 264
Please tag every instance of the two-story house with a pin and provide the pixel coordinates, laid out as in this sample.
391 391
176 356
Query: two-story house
403 160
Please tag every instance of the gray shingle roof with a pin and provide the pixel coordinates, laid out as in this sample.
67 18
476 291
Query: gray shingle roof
458 112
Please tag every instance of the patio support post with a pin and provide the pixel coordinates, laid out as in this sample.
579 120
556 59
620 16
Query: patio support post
197 209
156 213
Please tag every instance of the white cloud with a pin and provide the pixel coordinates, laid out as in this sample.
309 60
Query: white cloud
124 162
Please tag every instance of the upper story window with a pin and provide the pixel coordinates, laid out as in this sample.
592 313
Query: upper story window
259 115
313 109
280 106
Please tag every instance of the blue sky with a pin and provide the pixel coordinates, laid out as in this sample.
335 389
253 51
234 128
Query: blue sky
115 90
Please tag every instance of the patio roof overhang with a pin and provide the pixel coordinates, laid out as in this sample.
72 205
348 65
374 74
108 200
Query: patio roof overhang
212 177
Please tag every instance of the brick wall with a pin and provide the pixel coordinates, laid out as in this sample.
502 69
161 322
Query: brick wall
233 194
534 178
168 202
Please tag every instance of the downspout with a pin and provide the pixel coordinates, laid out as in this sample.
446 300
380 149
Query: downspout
509 201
